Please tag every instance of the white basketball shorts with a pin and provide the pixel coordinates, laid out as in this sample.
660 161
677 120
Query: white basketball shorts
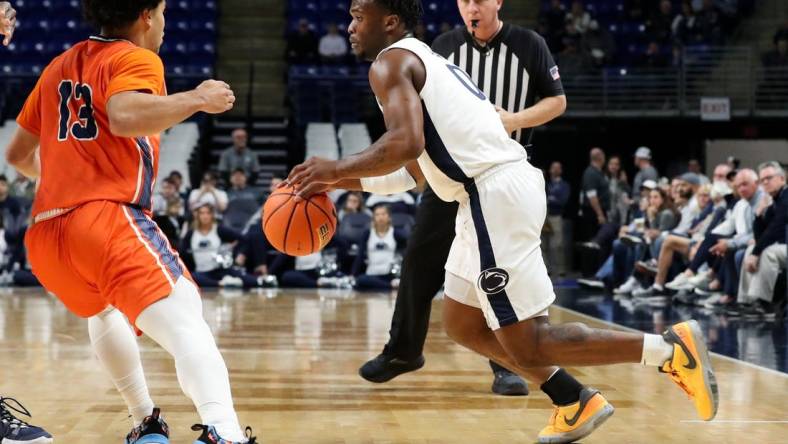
496 251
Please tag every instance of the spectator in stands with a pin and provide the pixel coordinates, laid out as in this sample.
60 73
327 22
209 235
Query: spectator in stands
599 44
678 244
595 195
554 20
23 188
402 203
333 46
693 166
10 209
273 185
238 187
558 192
685 25
732 235
578 18
765 259
354 203
208 194
636 10
299 272
177 178
646 170
302 44
378 253
659 25
653 57
571 60
697 245
710 22
239 156
204 248
777 58
782 33
420 32
167 197
619 192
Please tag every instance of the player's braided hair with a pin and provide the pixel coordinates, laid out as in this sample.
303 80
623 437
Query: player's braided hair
409 11
115 14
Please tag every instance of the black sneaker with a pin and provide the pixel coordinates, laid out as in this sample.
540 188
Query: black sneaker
13 430
736 310
153 430
759 310
384 367
507 383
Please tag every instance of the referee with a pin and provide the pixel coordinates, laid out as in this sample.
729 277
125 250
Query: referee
516 71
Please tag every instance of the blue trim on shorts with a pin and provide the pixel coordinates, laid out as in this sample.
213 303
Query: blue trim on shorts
160 245
145 197
500 303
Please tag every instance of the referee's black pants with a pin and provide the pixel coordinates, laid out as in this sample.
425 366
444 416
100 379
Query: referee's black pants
422 275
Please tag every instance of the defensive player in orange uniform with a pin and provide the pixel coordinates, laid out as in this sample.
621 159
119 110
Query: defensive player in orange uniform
96 113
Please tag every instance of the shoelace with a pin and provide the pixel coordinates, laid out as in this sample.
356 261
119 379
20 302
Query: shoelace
674 376
8 417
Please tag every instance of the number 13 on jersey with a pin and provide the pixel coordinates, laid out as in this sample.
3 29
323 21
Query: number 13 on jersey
85 127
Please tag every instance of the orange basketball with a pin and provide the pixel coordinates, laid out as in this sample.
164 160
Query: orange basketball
301 228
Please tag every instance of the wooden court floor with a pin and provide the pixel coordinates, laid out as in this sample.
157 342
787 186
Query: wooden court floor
293 358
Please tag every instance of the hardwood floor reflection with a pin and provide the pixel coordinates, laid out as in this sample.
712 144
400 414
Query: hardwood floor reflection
293 358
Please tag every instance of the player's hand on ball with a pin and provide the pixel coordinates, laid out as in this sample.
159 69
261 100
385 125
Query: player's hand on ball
216 95
508 120
7 21
313 176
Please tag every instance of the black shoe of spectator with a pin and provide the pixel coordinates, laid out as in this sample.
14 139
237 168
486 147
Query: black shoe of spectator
759 310
384 368
648 268
631 240
507 383
736 310
685 297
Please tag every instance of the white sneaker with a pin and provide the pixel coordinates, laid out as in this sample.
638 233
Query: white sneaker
231 281
628 287
700 280
681 282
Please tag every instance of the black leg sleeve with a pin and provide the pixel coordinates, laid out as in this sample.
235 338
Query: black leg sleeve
422 275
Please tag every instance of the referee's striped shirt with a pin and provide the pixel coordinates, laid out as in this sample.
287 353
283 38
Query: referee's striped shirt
514 70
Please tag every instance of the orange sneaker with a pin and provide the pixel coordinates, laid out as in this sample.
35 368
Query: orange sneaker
690 367
576 421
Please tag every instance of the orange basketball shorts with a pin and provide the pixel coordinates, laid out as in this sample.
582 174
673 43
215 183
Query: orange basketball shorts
104 253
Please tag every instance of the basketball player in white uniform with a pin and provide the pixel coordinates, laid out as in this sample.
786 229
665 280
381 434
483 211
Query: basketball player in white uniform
441 128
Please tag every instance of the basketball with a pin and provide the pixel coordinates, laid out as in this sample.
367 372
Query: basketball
298 228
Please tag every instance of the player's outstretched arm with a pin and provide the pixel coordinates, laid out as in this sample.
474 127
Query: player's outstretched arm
396 77
136 114
22 153
7 22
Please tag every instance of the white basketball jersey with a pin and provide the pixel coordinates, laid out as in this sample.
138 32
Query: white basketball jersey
463 133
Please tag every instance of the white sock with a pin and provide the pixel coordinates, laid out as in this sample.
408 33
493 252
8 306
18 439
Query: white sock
658 287
117 350
176 323
655 350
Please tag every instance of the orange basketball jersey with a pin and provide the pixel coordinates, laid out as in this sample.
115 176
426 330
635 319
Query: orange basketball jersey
81 160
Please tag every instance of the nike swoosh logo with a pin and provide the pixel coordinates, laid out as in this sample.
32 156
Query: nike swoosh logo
571 421
673 338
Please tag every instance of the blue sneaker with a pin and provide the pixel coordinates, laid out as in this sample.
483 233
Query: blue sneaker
153 430
209 436
15 431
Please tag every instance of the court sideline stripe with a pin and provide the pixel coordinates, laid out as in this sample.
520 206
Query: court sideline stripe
717 355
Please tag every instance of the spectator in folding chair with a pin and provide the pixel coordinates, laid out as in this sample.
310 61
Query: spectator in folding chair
378 253
765 259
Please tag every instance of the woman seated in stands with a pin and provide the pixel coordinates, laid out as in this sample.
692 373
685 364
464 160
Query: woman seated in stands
661 216
377 258
207 251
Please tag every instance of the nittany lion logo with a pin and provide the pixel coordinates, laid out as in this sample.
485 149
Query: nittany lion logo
493 280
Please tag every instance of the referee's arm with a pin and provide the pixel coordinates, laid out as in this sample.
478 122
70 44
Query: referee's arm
552 101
